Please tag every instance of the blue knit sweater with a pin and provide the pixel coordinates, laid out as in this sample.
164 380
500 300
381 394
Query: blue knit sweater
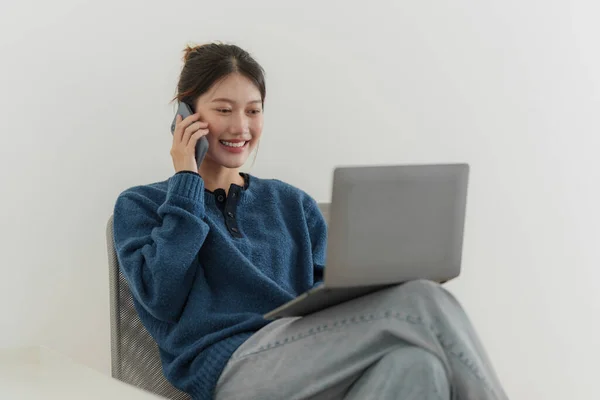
203 267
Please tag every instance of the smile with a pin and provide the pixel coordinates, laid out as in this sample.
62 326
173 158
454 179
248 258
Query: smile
233 144
235 147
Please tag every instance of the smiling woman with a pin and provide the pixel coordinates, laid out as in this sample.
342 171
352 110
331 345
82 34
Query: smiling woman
209 251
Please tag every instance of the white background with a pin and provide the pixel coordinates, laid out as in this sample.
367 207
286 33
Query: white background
511 87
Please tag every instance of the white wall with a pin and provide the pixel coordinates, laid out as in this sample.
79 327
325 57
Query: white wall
511 87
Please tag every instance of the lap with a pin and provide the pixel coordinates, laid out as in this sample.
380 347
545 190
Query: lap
322 354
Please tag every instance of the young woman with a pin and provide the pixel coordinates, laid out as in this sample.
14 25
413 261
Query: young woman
210 250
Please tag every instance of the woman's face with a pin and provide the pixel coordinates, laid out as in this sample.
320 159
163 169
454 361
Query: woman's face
232 108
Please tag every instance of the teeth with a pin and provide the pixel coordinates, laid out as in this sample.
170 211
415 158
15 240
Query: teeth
239 144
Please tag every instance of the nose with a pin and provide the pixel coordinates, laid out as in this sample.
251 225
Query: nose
240 124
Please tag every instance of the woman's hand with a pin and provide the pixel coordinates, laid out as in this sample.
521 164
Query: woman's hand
186 135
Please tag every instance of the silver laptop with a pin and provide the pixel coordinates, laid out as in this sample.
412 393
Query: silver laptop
388 225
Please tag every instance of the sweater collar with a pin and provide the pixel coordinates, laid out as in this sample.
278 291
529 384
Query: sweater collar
245 187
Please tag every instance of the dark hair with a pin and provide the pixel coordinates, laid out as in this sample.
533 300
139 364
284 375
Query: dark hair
206 64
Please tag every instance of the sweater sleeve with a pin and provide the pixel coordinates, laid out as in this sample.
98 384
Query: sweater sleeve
317 228
157 244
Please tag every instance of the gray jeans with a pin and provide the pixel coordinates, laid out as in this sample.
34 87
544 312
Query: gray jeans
411 341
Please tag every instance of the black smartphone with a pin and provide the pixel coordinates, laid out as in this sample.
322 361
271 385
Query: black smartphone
185 111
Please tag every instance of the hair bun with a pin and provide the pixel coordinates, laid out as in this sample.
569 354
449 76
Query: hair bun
188 52
192 50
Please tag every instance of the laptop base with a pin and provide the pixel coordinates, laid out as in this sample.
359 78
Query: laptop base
320 298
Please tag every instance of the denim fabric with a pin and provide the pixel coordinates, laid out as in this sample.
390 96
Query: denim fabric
411 342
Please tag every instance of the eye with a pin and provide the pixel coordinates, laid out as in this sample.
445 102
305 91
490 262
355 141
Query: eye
255 111
223 110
